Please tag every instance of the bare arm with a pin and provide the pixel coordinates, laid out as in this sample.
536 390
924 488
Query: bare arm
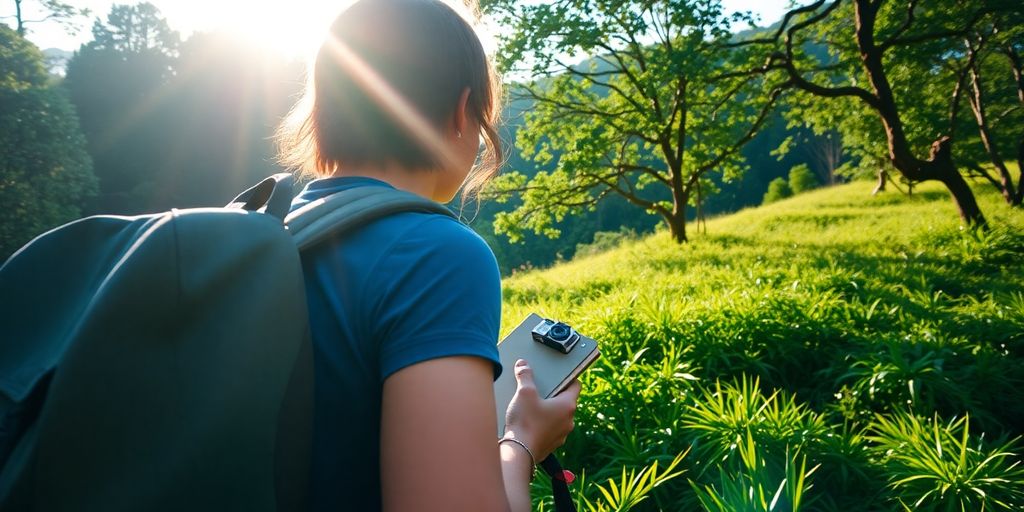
438 448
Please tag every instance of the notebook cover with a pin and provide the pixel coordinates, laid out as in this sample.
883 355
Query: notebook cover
551 368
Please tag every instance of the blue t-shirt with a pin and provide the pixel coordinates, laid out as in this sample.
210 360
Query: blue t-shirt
398 291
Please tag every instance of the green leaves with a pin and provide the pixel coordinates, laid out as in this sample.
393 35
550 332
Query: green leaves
778 189
725 418
794 354
45 172
935 466
630 98
753 488
633 487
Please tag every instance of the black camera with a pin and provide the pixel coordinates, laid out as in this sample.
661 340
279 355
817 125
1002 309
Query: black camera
556 335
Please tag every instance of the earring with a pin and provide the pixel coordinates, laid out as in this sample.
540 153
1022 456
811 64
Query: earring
458 134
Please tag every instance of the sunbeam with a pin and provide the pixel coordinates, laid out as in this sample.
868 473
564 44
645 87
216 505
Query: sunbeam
392 103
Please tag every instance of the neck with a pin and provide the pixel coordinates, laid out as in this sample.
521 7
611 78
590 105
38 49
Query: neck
422 182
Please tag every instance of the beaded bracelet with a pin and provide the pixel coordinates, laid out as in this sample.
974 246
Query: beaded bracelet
533 460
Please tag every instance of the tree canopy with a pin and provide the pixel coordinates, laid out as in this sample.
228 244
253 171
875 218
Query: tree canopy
42 11
174 123
655 108
45 171
894 81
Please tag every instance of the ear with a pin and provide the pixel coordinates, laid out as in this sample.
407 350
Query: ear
461 116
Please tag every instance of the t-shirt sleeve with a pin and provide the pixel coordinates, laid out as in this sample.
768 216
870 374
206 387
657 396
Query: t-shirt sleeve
439 296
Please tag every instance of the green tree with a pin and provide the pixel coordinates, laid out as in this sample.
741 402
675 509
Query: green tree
778 189
45 171
46 10
118 83
135 29
655 110
894 76
995 94
801 179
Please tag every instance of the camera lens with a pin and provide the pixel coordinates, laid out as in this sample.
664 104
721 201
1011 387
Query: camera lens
559 332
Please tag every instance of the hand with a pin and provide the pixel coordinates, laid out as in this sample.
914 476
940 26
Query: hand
541 424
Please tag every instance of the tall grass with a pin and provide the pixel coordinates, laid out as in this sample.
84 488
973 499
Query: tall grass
833 351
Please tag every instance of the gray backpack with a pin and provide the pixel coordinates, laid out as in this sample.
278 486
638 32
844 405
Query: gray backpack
163 362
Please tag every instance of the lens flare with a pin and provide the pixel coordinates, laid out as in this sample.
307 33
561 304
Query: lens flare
392 103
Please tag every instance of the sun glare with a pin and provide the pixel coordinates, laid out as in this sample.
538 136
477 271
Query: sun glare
295 28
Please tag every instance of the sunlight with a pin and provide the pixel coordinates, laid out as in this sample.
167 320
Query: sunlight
393 103
295 29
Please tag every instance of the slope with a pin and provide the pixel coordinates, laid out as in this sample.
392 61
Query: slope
867 343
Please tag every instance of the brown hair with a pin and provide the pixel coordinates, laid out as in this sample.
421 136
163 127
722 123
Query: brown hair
385 83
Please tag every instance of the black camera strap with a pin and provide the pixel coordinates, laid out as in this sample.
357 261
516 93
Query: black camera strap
559 485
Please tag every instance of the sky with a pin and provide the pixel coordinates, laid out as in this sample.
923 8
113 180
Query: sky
298 24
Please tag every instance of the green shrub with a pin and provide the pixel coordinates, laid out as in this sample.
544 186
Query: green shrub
722 419
801 179
778 189
757 485
605 240
797 339
932 466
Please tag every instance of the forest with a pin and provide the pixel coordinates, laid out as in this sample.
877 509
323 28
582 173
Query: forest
168 122
802 238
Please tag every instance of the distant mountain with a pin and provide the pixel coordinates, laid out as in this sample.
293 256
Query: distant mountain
57 60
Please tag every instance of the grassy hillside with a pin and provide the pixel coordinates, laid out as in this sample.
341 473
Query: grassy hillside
867 344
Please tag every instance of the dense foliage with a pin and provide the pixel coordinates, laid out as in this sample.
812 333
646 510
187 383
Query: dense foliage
895 80
172 123
777 189
45 172
835 351
801 179
660 106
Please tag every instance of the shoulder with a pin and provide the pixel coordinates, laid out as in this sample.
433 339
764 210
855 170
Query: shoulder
436 293
441 244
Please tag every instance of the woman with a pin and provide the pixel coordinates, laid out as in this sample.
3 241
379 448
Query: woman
404 313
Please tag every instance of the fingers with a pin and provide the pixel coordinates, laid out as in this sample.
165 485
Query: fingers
573 389
571 393
524 375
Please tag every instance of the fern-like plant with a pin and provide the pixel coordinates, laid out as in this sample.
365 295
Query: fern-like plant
719 419
755 486
632 487
935 466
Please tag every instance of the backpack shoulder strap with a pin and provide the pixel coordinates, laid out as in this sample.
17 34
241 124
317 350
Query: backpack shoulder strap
344 211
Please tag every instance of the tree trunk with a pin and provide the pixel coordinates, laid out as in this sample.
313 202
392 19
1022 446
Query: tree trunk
677 226
676 218
883 177
977 102
939 166
17 14
1018 199
946 172
1018 76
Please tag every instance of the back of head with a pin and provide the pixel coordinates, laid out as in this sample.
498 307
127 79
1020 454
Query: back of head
385 83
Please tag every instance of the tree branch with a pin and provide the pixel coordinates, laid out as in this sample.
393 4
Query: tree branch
591 79
796 76
572 108
963 31
782 27
628 74
909 20
754 128
981 172
633 198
